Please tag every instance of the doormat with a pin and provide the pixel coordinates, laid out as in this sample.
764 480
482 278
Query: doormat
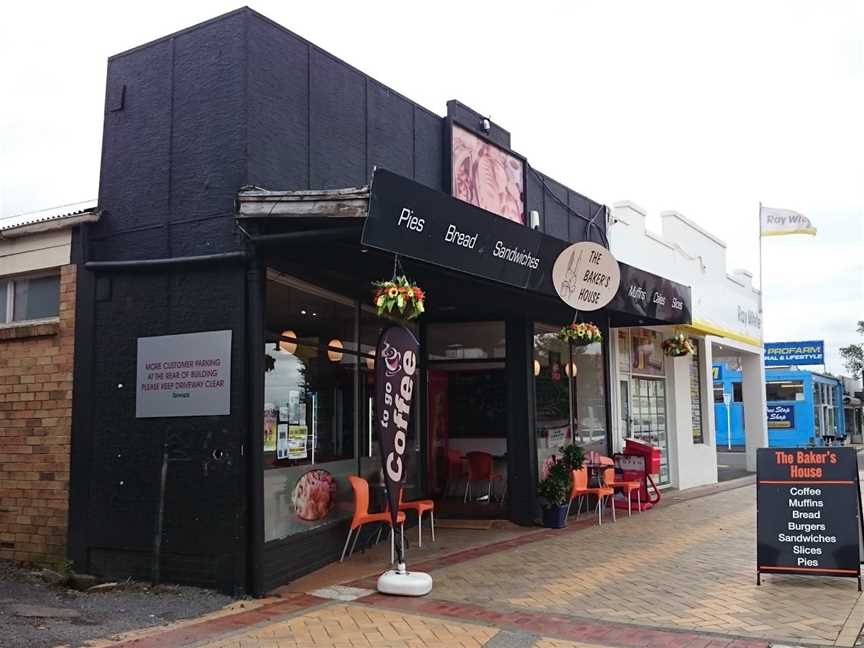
480 525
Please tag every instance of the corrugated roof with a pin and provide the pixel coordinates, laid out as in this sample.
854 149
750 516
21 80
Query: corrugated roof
50 214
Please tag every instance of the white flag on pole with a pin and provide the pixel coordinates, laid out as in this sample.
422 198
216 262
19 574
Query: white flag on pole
780 222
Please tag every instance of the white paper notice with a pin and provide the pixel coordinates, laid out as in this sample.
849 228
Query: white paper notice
184 375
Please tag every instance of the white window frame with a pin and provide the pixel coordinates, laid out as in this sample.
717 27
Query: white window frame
7 315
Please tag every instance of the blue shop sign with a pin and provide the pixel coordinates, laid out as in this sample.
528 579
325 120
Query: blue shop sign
717 372
781 416
795 353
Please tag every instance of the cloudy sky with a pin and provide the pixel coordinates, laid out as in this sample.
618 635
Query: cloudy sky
706 108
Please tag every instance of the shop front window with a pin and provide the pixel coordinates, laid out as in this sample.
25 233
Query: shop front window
570 399
784 390
553 387
309 408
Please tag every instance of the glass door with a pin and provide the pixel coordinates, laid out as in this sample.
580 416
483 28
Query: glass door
648 417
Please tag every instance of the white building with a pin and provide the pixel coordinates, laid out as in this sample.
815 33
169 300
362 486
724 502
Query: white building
670 401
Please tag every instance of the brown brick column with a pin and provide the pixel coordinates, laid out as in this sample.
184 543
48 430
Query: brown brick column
35 425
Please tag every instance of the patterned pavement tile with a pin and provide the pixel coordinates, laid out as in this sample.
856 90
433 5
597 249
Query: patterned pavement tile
352 626
690 567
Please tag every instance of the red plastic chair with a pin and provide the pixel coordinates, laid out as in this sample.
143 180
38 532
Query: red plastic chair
363 516
480 469
455 470
420 506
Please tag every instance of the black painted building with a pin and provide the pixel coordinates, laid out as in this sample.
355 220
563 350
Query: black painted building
195 126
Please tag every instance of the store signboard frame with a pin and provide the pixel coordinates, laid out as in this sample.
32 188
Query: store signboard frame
808 512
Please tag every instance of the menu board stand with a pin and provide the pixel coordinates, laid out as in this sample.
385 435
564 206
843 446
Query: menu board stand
808 512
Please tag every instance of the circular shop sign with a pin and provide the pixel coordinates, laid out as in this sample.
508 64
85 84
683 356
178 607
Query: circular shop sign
586 276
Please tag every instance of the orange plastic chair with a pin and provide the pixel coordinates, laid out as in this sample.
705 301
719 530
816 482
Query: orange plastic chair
581 490
480 469
623 485
420 506
363 516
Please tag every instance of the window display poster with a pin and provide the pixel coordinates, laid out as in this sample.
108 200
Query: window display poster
293 413
283 414
270 422
646 352
297 438
282 441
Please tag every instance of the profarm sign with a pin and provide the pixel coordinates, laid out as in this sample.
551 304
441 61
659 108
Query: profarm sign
184 375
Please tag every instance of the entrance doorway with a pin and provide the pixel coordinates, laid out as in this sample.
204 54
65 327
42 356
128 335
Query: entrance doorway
467 424
642 391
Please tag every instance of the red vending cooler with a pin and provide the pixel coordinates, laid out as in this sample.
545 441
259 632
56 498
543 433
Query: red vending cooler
639 462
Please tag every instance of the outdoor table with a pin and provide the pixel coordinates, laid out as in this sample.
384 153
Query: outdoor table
595 473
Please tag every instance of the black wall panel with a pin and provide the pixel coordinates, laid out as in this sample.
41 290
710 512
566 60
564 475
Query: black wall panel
337 123
204 497
389 130
429 150
208 145
557 221
279 110
205 236
136 145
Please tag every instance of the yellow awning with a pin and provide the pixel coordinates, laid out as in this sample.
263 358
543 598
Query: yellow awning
701 328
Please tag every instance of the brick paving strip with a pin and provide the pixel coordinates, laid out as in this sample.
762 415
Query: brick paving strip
556 626
517 627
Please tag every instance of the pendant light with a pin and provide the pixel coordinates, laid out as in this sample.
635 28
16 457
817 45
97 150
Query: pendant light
288 346
332 352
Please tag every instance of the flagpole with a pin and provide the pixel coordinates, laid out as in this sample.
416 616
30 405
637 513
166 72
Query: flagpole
761 276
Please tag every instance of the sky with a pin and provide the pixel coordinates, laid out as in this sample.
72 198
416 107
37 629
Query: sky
704 108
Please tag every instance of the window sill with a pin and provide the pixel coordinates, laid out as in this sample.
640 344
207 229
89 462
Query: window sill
30 329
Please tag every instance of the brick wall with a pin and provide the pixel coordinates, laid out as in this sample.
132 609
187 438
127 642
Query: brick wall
35 424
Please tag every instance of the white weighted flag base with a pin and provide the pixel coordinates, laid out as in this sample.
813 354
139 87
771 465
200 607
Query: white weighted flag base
402 582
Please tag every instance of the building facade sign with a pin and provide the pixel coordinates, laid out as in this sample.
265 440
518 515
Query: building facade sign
811 352
781 416
184 375
651 296
411 219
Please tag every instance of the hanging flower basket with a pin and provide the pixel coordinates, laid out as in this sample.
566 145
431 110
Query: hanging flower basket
400 297
580 334
678 345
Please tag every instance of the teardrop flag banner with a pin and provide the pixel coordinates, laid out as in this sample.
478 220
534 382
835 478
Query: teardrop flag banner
395 376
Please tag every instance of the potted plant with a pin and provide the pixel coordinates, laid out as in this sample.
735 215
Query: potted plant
678 345
399 296
580 334
555 491
555 488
